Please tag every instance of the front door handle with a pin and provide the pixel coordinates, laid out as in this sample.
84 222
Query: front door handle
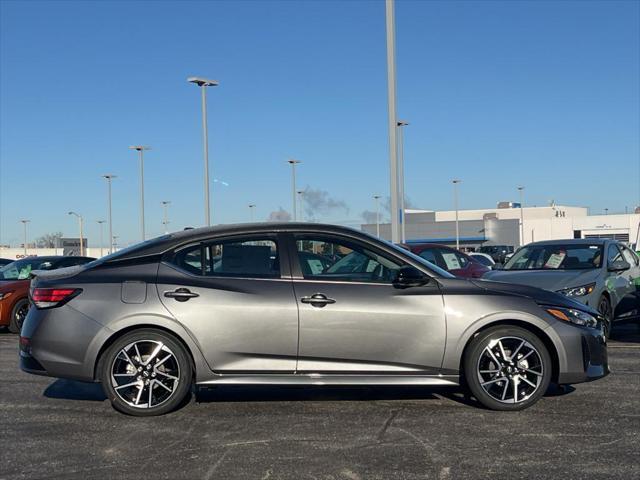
181 294
318 300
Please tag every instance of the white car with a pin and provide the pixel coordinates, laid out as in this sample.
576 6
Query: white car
483 258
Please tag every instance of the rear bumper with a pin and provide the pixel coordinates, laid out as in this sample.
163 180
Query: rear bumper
587 358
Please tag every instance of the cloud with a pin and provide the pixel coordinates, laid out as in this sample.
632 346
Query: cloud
318 202
280 215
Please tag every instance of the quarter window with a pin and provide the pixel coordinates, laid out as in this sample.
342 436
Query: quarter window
342 260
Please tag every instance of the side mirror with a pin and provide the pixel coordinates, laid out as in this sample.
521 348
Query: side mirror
619 266
410 277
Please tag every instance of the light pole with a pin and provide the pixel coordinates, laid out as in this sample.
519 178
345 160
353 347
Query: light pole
114 241
109 178
606 211
101 223
165 215
521 190
377 199
455 203
140 149
24 225
301 203
293 164
252 207
401 124
391 94
203 83
81 235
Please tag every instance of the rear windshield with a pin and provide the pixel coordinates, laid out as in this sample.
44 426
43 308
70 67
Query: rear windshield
556 257
128 250
21 269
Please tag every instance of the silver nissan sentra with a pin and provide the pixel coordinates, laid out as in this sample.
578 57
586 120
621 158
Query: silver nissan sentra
298 304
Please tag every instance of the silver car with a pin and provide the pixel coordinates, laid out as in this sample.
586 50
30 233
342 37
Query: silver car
298 304
600 273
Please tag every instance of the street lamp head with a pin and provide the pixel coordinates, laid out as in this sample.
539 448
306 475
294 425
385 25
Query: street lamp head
402 123
376 197
109 176
252 205
456 180
293 161
139 148
165 202
203 82
25 221
521 188
76 214
101 221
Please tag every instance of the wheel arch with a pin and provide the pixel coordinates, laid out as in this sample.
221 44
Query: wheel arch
193 356
540 333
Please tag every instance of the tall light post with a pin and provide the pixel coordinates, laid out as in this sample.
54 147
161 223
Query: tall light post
101 223
109 178
141 149
252 207
606 211
114 241
455 203
80 222
24 225
401 124
165 215
521 190
293 164
377 201
203 83
393 119
301 203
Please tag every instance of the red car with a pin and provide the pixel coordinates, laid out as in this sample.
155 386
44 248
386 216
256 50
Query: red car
449 259
14 286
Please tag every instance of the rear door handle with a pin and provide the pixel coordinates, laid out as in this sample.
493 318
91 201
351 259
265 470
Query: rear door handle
181 294
318 300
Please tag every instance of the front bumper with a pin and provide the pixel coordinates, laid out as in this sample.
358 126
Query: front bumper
586 356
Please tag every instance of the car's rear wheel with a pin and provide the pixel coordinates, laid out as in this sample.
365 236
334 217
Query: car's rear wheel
507 368
605 309
18 314
146 372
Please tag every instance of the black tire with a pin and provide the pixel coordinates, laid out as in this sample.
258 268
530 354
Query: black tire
146 376
18 314
536 367
604 307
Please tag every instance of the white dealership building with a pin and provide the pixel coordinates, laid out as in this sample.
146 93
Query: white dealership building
502 225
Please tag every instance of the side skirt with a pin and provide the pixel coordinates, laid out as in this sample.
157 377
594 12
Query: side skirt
332 379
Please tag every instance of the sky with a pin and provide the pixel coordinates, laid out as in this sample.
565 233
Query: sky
544 94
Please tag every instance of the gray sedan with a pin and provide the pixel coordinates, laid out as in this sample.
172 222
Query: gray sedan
597 272
298 304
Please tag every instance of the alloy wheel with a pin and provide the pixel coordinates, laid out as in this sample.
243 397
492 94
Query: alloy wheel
604 307
510 369
145 374
20 315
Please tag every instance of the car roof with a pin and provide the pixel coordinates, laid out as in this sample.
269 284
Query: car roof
166 242
575 241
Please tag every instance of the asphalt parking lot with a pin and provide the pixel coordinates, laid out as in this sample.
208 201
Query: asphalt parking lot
61 429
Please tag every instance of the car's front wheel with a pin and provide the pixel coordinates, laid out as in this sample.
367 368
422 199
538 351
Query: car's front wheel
507 368
604 307
146 372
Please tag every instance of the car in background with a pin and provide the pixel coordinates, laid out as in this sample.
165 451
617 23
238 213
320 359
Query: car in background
449 259
14 285
600 273
497 252
483 258
5 261
151 320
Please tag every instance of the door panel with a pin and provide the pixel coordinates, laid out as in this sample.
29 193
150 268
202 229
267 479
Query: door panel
240 324
370 328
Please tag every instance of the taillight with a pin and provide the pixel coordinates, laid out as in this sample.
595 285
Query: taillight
53 297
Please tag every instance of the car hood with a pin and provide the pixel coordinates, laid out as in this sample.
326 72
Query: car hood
553 280
540 296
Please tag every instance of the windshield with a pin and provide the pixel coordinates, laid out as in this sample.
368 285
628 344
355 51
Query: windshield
556 257
21 269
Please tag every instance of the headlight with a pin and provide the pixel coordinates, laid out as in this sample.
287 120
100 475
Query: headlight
574 316
578 291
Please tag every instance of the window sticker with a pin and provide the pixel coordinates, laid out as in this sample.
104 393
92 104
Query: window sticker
555 260
451 260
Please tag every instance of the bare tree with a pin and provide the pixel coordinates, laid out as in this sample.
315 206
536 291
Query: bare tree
49 240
